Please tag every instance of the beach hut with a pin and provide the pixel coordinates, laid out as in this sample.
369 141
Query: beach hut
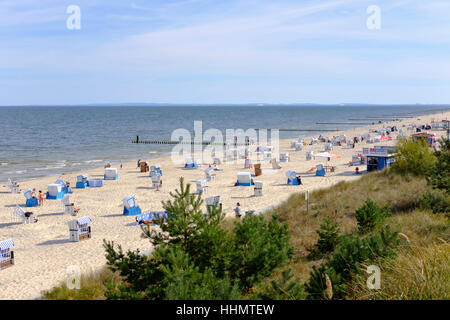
13 188
293 143
144 166
284 157
258 189
129 206
328 147
6 254
156 180
314 141
54 191
30 201
82 181
64 188
155 169
320 170
210 175
292 178
356 159
248 164
19 215
350 143
217 161
202 186
111 174
379 157
275 164
244 179
298 146
79 229
212 201
192 163
309 154
258 170
247 153
68 206
267 156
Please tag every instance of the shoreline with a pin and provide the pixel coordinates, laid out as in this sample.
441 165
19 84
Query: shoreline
164 157
43 252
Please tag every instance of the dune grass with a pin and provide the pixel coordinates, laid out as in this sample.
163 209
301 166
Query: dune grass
92 287
417 273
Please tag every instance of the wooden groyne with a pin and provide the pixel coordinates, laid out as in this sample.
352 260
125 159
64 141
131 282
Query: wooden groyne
205 143
302 130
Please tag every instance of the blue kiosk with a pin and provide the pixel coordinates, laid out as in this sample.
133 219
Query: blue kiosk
379 157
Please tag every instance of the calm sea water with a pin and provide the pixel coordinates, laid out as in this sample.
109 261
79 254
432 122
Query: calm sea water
41 141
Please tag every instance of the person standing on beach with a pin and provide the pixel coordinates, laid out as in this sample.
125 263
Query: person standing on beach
41 198
238 211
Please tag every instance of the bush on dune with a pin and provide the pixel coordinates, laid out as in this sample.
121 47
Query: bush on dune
414 157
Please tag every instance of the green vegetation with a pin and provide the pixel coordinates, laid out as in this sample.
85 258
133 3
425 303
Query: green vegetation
328 238
194 258
396 219
440 175
414 157
369 216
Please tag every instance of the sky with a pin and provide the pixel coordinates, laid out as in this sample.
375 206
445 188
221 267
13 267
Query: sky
233 51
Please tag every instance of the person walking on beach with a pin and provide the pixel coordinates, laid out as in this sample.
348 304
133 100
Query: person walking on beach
33 194
237 210
41 198
158 187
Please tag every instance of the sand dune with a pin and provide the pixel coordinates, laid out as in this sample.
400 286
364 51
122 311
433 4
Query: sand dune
43 251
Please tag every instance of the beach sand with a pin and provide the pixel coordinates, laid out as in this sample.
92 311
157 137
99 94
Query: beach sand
43 251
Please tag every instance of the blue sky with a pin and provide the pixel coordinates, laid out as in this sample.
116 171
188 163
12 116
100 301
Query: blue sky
211 51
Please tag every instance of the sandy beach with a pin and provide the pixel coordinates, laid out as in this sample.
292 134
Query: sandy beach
43 251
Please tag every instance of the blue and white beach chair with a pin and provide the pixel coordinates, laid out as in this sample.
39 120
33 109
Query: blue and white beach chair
156 169
111 174
129 206
192 163
244 179
320 170
55 191
30 201
6 255
82 181
292 178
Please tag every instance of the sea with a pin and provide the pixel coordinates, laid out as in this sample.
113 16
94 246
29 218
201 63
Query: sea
37 141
